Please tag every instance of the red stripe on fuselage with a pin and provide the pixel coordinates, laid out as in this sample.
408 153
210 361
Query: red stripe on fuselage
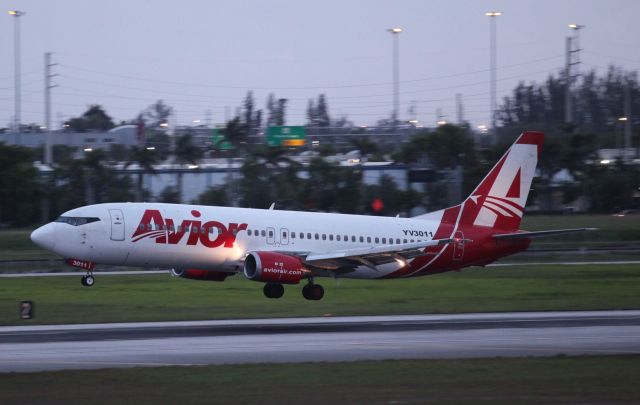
445 230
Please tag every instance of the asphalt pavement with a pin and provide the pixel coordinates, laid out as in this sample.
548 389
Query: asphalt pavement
90 346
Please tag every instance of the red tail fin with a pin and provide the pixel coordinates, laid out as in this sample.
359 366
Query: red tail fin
499 200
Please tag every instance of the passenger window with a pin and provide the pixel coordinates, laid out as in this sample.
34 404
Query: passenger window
346 238
331 236
149 227
271 234
317 236
309 236
324 236
384 240
248 232
179 228
404 241
141 227
172 228
284 235
398 241
262 233
377 240
301 235
368 239
338 238
412 241
361 239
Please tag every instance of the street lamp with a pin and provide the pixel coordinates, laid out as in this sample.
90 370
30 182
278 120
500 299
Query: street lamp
16 49
619 147
492 62
396 86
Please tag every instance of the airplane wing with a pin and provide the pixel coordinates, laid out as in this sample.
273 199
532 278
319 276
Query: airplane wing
538 234
373 256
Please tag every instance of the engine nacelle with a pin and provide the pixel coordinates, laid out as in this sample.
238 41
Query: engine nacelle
195 274
271 267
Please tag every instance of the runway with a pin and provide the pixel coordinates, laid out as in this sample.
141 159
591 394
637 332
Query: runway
36 348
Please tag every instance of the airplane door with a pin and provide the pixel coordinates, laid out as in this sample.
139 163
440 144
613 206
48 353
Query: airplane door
117 224
284 236
458 247
271 235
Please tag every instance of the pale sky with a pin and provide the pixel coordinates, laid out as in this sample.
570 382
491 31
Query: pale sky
204 55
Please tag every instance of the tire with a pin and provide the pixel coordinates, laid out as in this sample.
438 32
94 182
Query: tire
306 292
277 291
83 281
317 292
89 281
272 290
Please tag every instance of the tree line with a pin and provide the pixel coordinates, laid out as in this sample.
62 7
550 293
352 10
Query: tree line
269 174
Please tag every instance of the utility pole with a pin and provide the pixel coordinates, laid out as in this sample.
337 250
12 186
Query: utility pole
395 32
493 59
48 149
571 69
459 109
568 105
627 114
16 52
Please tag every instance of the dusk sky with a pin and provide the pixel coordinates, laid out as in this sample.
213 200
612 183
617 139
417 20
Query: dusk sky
204 55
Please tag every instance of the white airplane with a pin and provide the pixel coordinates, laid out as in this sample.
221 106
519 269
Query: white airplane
284 247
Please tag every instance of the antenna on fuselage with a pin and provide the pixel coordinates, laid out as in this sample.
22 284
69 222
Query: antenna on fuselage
273 205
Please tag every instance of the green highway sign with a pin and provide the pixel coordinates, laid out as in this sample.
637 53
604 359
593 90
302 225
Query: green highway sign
286 136
219 141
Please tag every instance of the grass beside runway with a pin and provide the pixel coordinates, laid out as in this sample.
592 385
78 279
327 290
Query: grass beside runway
607 379
131 298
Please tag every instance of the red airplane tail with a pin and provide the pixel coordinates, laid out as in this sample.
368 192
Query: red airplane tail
499 200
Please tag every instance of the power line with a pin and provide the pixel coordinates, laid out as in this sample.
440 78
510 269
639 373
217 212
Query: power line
168 82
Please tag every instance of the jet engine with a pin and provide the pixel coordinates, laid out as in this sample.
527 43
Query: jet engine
195 274
271 267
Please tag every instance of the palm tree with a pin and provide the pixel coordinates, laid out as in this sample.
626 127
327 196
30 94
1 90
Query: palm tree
185 152
94 171
145 159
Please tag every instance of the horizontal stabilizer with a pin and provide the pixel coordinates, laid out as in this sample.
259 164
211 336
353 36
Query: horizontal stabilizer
538 234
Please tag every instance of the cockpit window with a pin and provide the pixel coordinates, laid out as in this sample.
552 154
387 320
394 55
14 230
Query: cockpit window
77 221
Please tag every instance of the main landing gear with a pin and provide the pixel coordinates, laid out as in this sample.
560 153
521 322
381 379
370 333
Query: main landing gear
88 280
273 290
312 291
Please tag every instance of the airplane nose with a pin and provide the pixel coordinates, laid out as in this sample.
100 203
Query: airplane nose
44 236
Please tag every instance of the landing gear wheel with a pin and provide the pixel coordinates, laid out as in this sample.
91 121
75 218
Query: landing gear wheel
88 280
313 292
272 290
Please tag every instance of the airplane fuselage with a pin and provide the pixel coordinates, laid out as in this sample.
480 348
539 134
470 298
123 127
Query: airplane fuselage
219 238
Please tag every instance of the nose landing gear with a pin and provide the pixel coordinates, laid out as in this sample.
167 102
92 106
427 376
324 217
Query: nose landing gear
88 280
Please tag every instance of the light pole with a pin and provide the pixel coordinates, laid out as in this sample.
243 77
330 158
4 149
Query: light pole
620 149
16 27
492 62
396 85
